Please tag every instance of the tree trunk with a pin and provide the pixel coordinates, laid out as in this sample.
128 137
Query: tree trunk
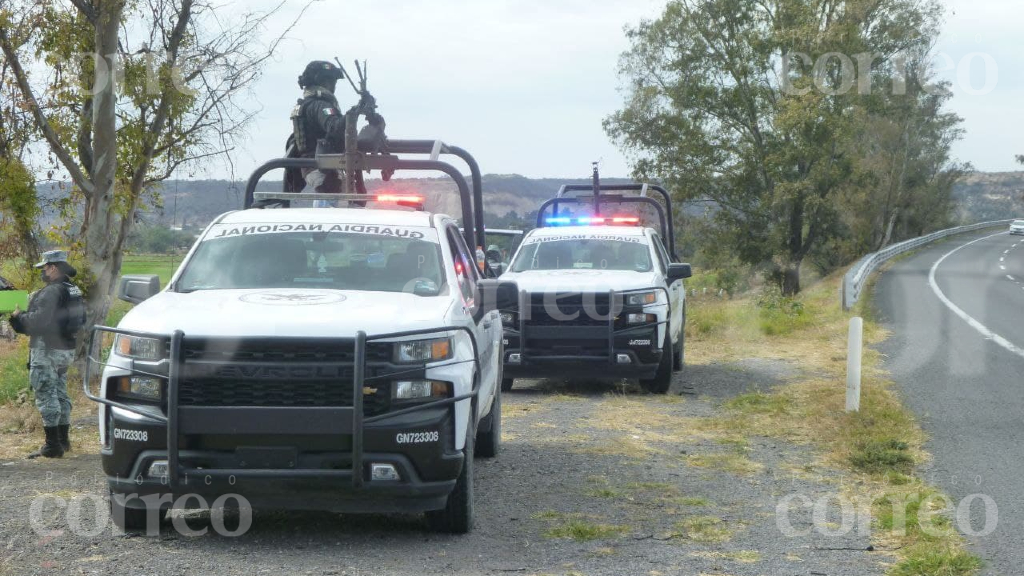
791 279
97 227
888 229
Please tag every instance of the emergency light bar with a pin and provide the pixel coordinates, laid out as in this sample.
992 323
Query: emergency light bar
409 200
593 221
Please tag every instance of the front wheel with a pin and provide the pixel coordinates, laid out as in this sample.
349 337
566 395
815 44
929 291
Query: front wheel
663 377
488 436
506 384
457 515
125 518
677 353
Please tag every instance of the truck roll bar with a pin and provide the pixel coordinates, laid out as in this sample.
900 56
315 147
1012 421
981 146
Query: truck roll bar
642 188
471 194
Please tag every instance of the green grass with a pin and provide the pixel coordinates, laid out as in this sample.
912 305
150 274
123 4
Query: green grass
883 456
938 563
159 264
584 531
759 403
13 375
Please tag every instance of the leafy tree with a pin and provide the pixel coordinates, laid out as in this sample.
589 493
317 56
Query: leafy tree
771 153
120 113
18 204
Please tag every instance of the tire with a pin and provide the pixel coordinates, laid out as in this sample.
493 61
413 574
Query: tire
663 377
680 348
488 435
506 384
677 356
125 518
457 515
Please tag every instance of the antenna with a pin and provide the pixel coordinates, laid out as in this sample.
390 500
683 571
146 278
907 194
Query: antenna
597 187
347 75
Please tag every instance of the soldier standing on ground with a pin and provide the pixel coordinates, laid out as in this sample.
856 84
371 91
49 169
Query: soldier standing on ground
51 350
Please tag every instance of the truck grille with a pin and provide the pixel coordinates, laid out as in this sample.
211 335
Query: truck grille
591 310
280 350
280 372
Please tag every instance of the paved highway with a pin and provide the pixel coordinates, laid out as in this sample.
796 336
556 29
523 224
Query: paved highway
956 312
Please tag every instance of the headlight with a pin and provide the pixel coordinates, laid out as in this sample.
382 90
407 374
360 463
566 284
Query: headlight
421 390
508 318
641 298
141 387
138 347
416 351
641 318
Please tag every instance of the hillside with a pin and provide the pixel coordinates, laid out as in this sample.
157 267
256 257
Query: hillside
986 196
196 202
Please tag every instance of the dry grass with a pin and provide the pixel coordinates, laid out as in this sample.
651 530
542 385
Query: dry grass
21 428
881 443
731 463
741 556
705 529
510 410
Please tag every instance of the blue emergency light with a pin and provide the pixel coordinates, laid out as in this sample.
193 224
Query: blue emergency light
592 221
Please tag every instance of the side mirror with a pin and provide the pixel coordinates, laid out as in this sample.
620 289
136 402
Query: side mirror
498 295
679 271
135 288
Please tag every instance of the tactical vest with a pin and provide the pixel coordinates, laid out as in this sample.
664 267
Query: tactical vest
305 139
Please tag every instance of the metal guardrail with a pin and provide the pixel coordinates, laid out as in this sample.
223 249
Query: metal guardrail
858 275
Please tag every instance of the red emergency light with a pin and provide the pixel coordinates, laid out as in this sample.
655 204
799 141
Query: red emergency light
414 200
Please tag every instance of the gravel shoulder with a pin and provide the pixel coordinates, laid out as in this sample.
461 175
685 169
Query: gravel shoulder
593 478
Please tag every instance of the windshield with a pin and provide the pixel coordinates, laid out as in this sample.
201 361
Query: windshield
583 252
316 257
501 246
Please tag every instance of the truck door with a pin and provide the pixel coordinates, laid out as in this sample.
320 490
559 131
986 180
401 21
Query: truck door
487 327
676 292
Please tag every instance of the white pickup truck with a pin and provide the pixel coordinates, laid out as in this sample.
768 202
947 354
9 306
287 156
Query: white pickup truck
308 358
601 297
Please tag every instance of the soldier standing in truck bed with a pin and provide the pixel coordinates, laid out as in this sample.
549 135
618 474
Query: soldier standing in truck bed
317 117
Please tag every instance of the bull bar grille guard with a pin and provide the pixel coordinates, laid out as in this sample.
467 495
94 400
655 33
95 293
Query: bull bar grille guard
525 304
358 420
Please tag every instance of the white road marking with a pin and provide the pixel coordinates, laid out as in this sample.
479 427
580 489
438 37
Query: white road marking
1001 267
1002 258
981 328
1011 278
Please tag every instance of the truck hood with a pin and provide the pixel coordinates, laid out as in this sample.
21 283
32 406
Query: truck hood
286 312
581 280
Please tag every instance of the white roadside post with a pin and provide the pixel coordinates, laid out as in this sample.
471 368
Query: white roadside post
853 358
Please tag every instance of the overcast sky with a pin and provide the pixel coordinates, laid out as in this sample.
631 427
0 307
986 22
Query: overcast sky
524 84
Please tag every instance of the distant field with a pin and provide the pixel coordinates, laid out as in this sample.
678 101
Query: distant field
160 264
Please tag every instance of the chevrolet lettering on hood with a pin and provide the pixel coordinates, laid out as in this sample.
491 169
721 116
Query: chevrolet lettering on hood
268 372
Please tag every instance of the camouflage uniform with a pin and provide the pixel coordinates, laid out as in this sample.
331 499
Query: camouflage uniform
50 351
48 374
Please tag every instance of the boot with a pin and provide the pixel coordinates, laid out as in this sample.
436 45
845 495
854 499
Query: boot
51 449
65 440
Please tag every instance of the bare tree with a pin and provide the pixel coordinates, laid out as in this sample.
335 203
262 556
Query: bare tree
131 93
